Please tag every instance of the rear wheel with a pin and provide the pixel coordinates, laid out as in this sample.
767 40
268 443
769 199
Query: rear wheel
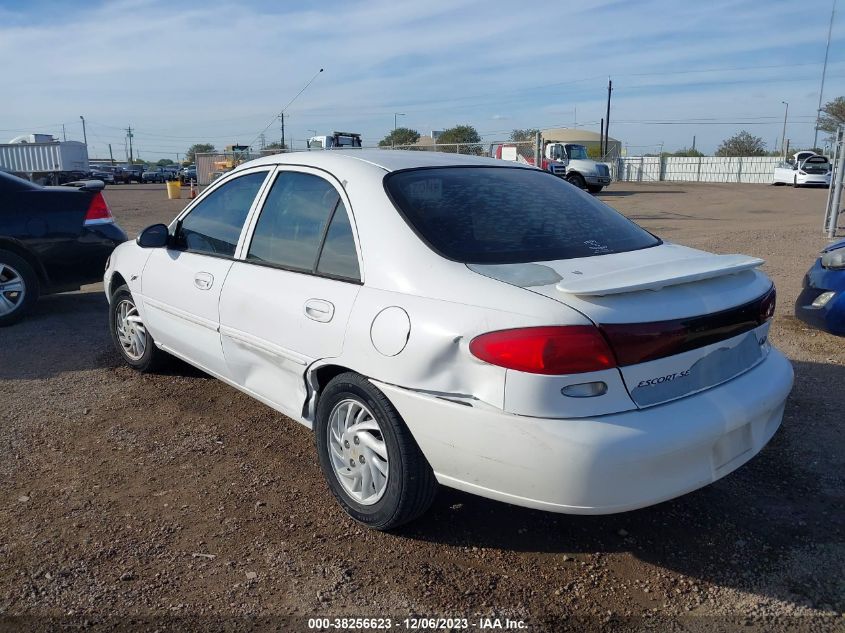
371 462
130 335
18 287
577 180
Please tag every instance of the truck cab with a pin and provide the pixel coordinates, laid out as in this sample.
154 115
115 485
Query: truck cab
572 162
336 140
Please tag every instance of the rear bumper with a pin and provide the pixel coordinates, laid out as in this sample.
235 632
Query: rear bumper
601 465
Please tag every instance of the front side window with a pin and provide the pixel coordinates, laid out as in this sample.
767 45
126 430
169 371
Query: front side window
507 215
295 223
214 225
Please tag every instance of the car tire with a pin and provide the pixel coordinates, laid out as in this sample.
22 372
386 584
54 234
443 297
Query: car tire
594 188
577 180
406 487
18 287
130 337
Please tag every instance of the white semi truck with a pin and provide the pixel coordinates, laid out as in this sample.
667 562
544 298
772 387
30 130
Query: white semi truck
45 160
565 160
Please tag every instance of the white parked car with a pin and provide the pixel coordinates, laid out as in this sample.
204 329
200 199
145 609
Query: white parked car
805 168
438 318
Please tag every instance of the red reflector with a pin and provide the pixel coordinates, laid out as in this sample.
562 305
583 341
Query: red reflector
551 350
98 211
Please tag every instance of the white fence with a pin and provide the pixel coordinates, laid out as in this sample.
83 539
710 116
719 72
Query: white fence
744 169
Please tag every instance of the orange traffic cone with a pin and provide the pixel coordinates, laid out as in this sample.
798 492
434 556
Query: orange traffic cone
193 192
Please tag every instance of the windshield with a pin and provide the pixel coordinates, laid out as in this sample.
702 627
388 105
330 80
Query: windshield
576 152
506 215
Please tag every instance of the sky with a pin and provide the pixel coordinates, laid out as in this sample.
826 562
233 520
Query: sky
220 72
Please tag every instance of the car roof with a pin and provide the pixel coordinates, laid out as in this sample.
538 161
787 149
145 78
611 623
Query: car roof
386 159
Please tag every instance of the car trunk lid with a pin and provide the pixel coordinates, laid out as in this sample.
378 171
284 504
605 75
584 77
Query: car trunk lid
679 320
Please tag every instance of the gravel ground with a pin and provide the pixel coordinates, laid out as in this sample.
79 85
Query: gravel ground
173 502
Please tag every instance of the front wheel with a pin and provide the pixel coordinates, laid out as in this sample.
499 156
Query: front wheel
18 287
577 180
129 334
594 188
371 462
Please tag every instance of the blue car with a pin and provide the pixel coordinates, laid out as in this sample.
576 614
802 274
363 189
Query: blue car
821 303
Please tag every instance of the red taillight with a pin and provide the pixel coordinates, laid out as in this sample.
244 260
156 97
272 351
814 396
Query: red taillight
552 350
635 343
98 211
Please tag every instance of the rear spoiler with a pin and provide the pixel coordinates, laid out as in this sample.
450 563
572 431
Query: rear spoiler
87 185
659 275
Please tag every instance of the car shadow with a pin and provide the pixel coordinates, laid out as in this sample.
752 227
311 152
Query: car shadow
616 193
64 333
761 529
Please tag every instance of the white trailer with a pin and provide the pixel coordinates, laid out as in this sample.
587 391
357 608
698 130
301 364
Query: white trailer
49 163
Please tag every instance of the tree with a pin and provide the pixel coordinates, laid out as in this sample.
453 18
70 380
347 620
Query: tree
528 134
687 152
742 144
832 115
400 136
460 134
164 162
197 148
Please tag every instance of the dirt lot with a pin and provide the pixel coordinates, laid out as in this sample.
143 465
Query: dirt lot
174 501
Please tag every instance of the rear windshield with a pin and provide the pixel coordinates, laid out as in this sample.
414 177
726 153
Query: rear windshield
501 215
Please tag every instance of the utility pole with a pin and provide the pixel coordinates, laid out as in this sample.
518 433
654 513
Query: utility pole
84 135
282 119
129 135
601 139
282 113
824 72
111 156
783 135
261 140
693 142
607 117
64 134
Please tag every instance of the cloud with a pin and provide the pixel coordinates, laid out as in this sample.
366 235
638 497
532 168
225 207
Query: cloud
220 71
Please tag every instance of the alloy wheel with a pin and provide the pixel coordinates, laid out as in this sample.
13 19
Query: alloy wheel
12 289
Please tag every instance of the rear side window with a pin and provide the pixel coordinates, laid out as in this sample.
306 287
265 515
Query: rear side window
302 213
214 225
338 257
502 215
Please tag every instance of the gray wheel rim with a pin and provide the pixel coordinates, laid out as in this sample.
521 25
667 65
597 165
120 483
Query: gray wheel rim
12 289
358 452
130 330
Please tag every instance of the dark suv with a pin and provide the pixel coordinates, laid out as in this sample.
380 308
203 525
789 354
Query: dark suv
129 173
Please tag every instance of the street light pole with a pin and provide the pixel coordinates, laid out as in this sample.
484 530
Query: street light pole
824 72
84 135
783 136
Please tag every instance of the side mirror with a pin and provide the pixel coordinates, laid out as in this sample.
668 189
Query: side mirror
155 236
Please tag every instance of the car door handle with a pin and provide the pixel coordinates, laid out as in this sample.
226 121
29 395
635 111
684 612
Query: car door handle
319 310
203 281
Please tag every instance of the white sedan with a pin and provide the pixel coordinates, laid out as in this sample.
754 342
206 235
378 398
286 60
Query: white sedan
445 319
803 170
